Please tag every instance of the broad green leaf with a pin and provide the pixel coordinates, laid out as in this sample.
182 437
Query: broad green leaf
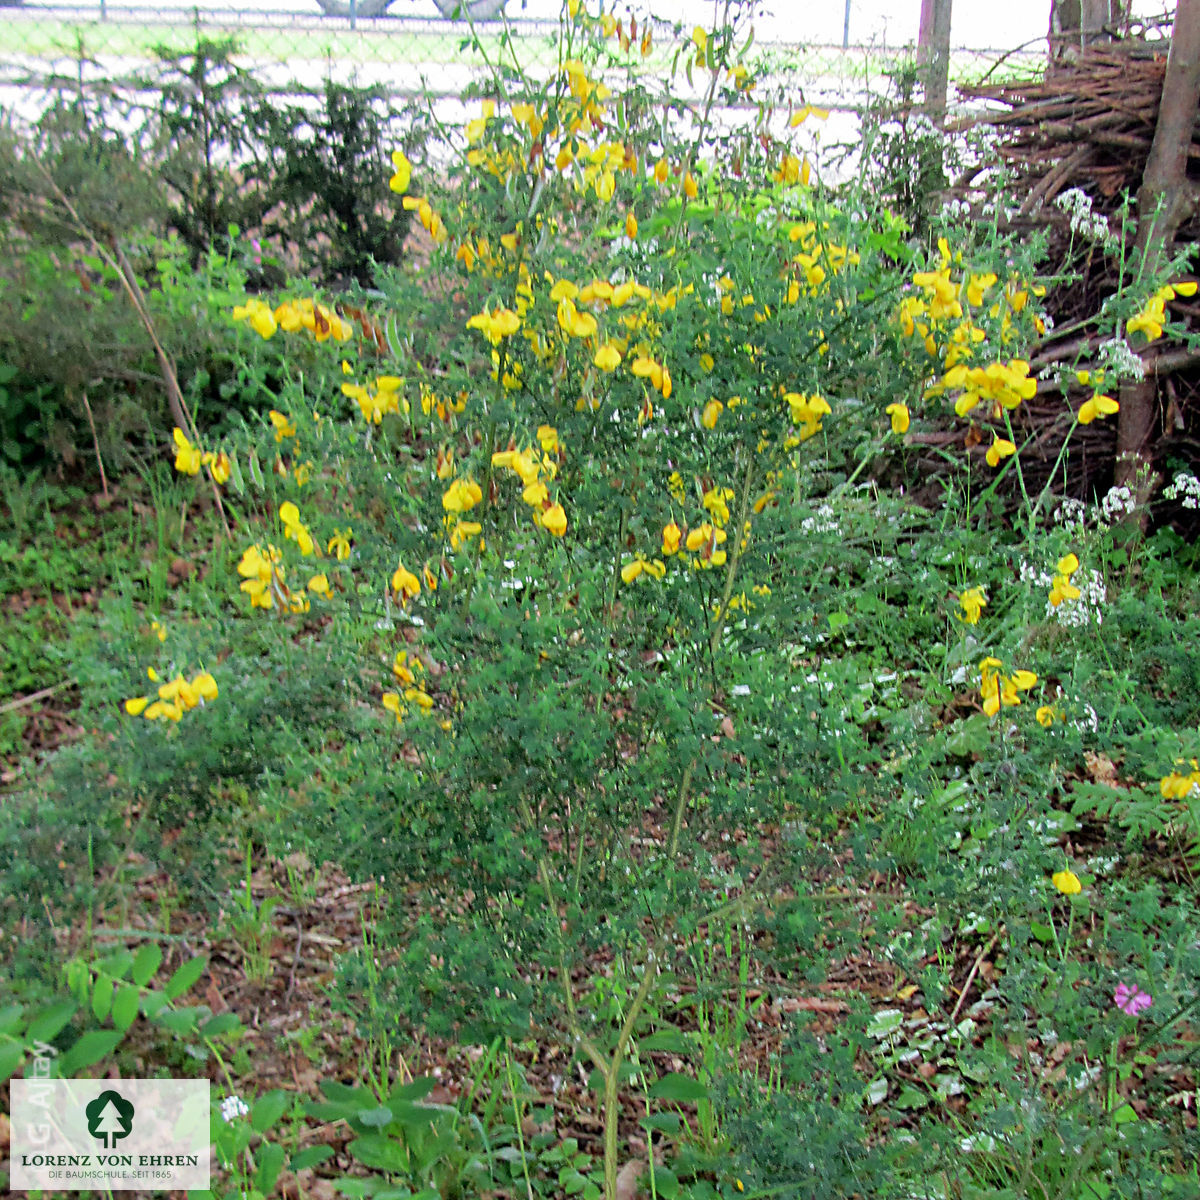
664 1122
665 1041
270 1157
268 1108
665 1183
679 1088
380 1153
375 1118
310 1157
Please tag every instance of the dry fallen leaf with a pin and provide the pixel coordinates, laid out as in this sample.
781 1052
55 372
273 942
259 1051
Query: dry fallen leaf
627 1179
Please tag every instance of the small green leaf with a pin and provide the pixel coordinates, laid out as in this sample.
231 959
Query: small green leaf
147 960
221 1024
125 1006
12 1054
90 1049
152 1003
47 1024
185 977
102 995
180 1021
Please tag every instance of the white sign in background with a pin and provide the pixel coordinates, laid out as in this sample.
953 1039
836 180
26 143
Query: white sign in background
118 1134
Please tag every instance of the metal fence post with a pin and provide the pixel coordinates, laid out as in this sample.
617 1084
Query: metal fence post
353 12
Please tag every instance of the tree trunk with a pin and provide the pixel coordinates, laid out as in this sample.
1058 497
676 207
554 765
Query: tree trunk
1075 24
933 56
1165 200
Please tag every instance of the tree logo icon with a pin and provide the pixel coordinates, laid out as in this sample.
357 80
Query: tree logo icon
109 1117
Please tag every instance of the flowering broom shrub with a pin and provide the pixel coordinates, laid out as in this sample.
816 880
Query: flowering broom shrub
548 504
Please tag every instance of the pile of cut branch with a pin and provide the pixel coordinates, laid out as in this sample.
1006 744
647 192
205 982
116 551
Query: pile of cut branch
1087 124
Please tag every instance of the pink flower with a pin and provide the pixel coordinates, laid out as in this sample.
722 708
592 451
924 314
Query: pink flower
1130 999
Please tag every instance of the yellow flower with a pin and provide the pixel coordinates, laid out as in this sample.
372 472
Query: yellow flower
391 701
1000 448
660 171
535 494
1097 406
1045 716
319 586
159 630
405 584
689 186
1067 882
137 705
404 670
712 411
400 180
284 428
554 519
262 575
260 316
187 457
495 325
973 601
672 535
462 495
463 530
547 437
640 566
293 528
1061 587
1149 321
339 544
205 686
607 358
1001 691
900 417
716 501
631 226
219 465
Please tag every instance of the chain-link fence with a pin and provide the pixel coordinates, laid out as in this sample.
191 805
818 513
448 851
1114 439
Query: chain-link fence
48 50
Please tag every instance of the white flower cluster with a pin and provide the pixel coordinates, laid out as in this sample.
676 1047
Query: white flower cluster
233 1107
1186 489
1118 503
1069 513
1118 358
825 521
1085 609
1077 205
